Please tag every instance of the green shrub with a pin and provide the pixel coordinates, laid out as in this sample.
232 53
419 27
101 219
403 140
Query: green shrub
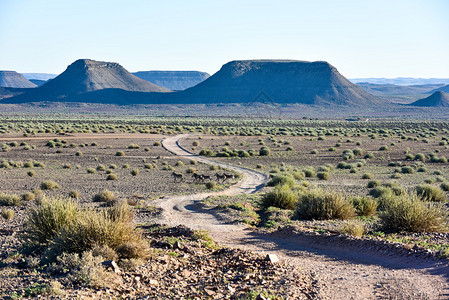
365 206
74 194
407 170
112 176
133 146
282 180
31 173
264 151
282 197
28 196
90 170
211 185
373 183
420 157
314 151
414 214
179 163
119 153
79 153
7 214
49 218
322 205
309 172
156 144
383 148
323 175
444 186
134 172
367 176
431 193
206 152
101 168
49 185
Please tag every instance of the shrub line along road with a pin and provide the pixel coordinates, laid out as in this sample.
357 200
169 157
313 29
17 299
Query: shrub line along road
342 271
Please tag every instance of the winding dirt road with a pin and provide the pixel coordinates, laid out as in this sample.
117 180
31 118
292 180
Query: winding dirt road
342 271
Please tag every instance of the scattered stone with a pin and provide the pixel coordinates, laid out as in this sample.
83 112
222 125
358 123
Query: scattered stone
273 258
261 297
110 264
177 245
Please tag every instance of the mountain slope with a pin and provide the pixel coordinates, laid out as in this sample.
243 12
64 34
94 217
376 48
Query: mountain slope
12 79
279 81
444 88
402 80
85 76
173 80
437 99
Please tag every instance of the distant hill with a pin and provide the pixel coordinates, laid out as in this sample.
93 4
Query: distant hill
173 80
402 80
85 76
6 92
39 76
437 99
391 89
38 82
279 81
444 88
12 79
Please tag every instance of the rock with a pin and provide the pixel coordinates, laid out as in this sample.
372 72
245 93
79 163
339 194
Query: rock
110 264
153 282
261 297
273 258
177 245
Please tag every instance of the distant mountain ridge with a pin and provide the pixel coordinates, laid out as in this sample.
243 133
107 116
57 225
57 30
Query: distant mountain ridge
444 88
12 79
401 80
391 89
39 76
173 80
437 99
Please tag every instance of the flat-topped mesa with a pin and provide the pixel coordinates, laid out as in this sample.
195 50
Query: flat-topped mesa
437 99
280 81
12 79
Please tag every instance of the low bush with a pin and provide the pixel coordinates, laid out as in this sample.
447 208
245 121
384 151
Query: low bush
264 151
134 172
323 175
112 176
444 186
282 180
90 170
322 205
373 183
365 206
49 185
281 197
119 153
211 185
367 176
431 193
74 194
414 214
407 170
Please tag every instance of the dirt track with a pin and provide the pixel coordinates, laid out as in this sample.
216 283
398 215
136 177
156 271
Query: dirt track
342 271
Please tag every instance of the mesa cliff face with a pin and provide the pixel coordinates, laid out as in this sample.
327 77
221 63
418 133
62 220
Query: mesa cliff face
12 79
173 80
280 81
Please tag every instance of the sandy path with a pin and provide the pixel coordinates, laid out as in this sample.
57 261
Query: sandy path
342 271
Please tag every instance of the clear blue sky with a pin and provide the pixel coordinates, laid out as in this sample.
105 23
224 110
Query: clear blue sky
378 38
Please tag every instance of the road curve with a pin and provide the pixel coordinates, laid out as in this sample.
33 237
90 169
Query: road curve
342 271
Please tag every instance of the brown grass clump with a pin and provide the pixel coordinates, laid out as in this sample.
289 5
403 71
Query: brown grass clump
352 228
10 199
322 205
104 196
49 185
7 214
